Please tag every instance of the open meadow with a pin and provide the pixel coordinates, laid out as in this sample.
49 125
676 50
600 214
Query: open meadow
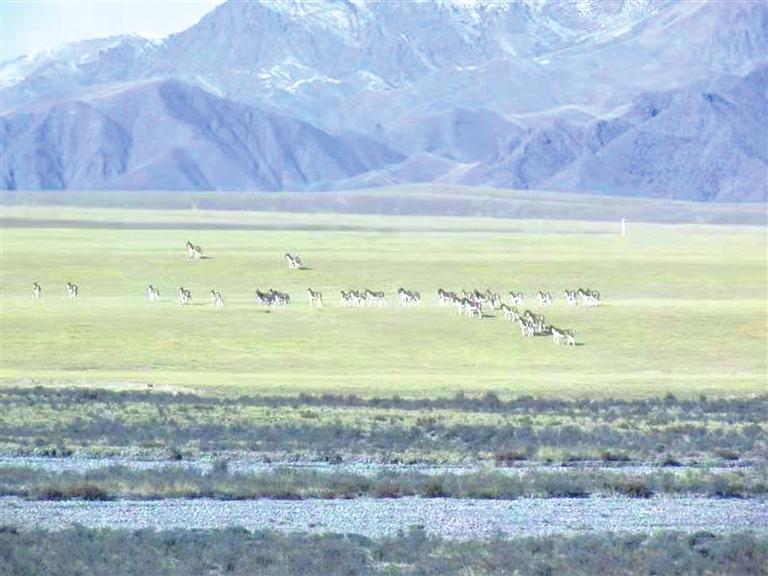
683 307
412 427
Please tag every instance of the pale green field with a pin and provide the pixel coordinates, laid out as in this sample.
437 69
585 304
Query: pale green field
684 310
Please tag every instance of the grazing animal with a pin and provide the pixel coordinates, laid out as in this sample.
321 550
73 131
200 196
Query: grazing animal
315 298
193 252
185 296
571 298
293 261
153 294
37 291
263 298
72 290
567 335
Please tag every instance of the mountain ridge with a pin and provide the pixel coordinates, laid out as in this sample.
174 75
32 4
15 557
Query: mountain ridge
207 143
484 93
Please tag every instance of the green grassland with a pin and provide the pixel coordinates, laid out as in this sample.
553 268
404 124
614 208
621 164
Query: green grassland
684 306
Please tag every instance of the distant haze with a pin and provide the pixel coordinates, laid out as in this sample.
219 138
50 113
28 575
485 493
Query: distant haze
28 27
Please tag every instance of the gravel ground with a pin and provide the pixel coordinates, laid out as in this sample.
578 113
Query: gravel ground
362 468
455 519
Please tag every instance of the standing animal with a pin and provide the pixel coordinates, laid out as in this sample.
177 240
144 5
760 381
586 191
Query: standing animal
516 298
470 308
545 298
315 298
588 297
72 290
193 252
293 261
185 296
37 291
525 327
494 299
375 298
272 298
279 298
446 297
510 313
408 297
584 296
153 294
352 298
536 321
216 299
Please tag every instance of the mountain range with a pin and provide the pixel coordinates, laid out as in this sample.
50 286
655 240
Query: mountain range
634 97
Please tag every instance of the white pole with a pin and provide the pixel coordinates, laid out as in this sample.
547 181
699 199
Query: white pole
623 226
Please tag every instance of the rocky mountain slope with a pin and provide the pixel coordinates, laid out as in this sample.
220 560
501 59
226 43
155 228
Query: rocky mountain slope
538 95
171 135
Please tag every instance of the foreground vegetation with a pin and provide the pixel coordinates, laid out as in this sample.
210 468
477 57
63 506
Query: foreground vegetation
686 313
461 429
238 552
291 484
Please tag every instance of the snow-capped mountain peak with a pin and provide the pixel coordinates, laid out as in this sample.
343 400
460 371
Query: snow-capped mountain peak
510 93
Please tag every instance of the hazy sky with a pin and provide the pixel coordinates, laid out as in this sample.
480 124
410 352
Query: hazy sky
33 25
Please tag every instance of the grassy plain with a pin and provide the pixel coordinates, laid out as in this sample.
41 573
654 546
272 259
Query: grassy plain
684 306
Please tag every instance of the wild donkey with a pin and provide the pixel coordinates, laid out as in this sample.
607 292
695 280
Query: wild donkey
194 252
153 294
293 261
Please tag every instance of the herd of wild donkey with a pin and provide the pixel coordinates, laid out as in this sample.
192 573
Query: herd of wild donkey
467 303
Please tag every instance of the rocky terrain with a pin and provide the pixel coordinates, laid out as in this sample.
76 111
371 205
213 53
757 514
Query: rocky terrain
448 518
